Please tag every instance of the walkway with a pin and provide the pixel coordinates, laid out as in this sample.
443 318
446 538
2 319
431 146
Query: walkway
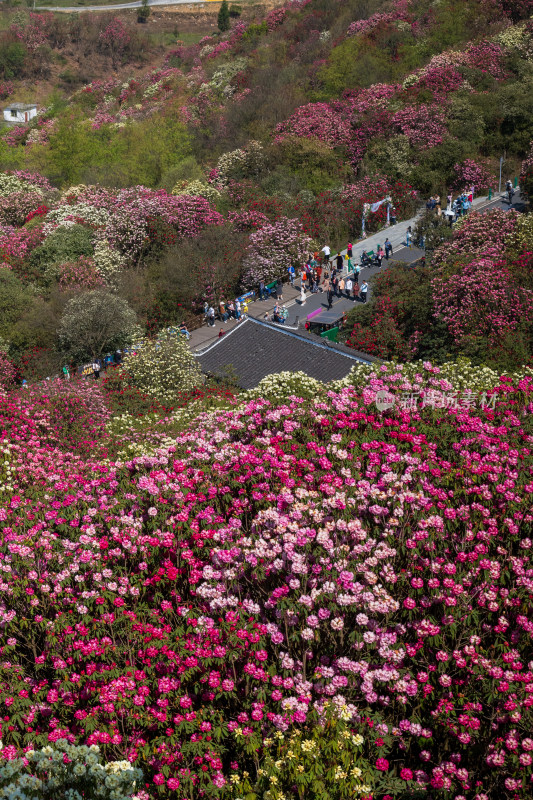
121 6
205 335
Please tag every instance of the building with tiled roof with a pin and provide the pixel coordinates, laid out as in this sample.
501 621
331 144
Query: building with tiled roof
255 349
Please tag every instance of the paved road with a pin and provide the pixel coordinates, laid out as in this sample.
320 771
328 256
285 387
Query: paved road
120 6
341 304
501 202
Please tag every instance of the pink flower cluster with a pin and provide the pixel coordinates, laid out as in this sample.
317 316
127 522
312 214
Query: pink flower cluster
424 125
380 19
316 120
80 275
470 173
273 248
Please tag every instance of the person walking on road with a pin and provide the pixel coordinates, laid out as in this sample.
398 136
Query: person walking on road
330 299
364 291
339 262
355 290
409 236
341 287
388 249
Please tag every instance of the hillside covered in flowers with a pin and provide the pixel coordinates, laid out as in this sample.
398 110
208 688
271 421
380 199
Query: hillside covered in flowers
289 579
306 590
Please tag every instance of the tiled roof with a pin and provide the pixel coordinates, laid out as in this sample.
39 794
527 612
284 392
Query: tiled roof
20 106
255 349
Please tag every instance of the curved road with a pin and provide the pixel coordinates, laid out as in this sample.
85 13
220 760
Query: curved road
120 6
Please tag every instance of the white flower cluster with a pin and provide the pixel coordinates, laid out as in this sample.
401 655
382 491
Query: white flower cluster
10 184
198 189
153 89
223 76
65 216
83 775
243 162
108 261
517 38
163 367
283 385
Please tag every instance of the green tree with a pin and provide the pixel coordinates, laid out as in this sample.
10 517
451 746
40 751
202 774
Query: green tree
223 17
12 58
64 244
94 323
144 11
15 299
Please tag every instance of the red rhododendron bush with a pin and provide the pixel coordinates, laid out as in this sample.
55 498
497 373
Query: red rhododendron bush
269 569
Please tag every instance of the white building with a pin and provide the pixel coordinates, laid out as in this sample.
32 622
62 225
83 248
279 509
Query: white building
20 112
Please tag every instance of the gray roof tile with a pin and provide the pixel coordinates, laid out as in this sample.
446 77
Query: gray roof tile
255 349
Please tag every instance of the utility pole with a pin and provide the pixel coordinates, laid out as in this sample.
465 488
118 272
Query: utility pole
502 162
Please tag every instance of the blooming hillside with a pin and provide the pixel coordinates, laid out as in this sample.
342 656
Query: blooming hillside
289 561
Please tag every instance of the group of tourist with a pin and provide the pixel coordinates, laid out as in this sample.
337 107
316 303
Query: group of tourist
328 276
234 309
454 208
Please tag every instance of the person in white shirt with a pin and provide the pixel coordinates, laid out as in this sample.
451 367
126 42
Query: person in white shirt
327 252
348 286
364 291
237 309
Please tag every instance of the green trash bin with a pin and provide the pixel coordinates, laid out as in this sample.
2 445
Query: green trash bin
515 182
490 194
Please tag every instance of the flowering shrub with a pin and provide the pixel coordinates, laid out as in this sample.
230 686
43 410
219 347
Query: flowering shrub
325 761
15 208
80 275
22 182
380 19
128 228
241 163
273 248
32 34
424 125
162 368
275 18
483 301
470 174
197 188
62 768
6 89
247 220
94 323
318 121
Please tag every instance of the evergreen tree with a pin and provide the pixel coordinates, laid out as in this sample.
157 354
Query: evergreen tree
144 11
223 17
